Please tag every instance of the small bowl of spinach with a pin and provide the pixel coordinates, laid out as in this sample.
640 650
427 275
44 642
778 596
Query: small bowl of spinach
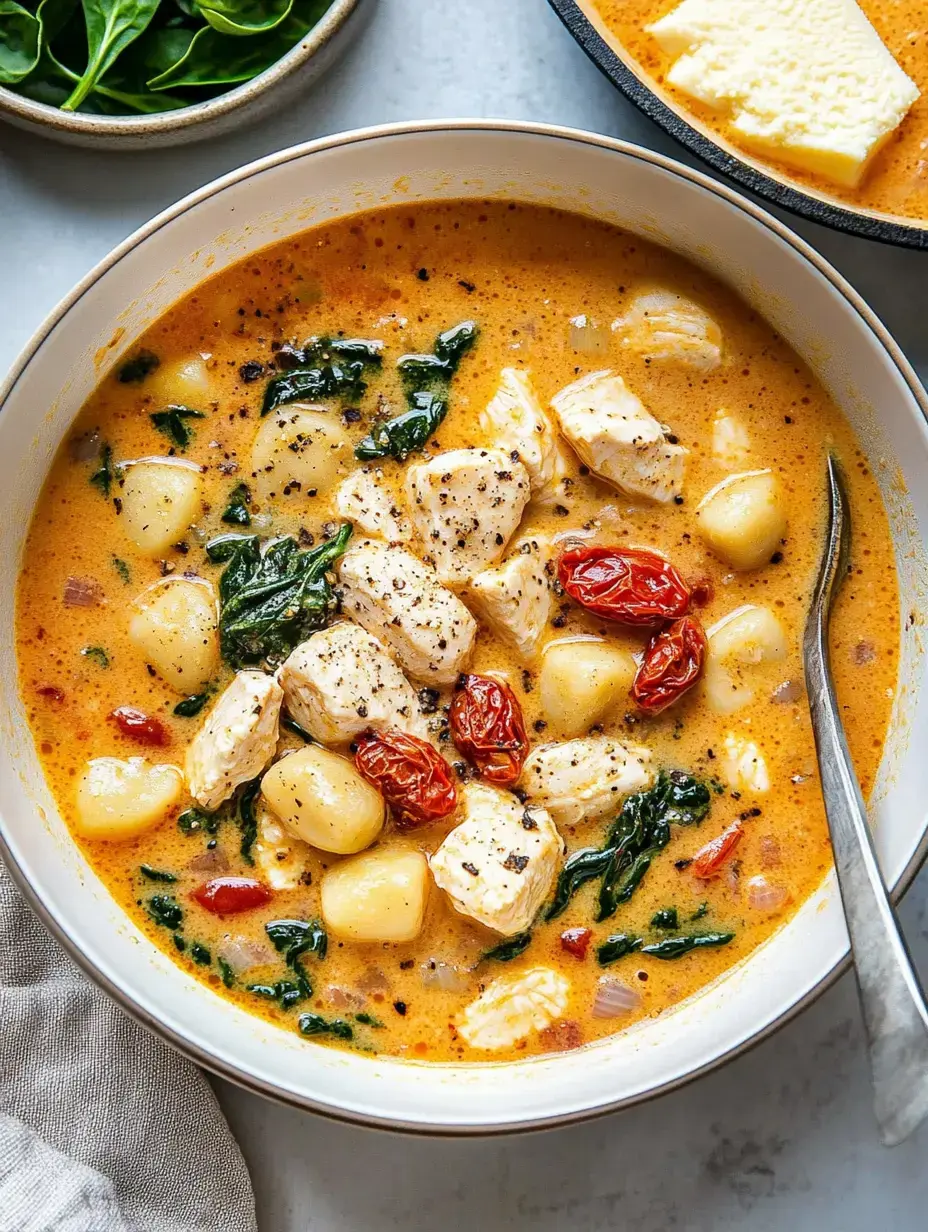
138 73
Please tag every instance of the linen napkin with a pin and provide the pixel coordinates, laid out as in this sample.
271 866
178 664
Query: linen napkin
103 1128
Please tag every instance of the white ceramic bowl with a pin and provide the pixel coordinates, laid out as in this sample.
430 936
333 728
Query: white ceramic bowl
776 272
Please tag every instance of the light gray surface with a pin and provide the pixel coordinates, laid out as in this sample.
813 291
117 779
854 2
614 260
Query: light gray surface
782 1138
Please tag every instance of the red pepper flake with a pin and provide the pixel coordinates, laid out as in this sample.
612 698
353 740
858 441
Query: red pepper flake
576 941
50 691
141 727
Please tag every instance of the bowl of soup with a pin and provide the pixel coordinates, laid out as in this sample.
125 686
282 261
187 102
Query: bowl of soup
827 118
408 554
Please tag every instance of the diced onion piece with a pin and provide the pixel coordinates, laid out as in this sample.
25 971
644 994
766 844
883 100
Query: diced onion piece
614 998
82 592
242 954
787 693
764 895
442 976
587 337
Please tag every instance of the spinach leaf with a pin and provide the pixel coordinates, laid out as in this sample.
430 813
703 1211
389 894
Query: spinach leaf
224 547
272 599
98 654
667 919
165 910
701 910
676 947
506 951
293 939
190 707
171 423
242 18
111 27
136 369
226 974
200 954
236 512
285 992
579 868
453 344
320 350
367 1020
122 569
102 477
155 874
248 818
345 381
20 42
315 1024
193 820
617 946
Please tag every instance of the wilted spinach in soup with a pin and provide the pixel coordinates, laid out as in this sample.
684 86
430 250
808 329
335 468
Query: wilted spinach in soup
410 628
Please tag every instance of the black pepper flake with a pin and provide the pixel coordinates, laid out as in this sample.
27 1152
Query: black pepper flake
250 371
400 1007
422 275
515 863
470 868
468 286
428 700
306 538
559 622
678 500
787 419
528 821
351 415
362 711
407 964
539 725
561 511
521 795
776 558
671 438
680 865
527 682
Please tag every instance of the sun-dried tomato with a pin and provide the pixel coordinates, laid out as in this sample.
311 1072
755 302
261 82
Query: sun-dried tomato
576 941
141 727
229 895
630 585
416 782
672 664
488 728
709 859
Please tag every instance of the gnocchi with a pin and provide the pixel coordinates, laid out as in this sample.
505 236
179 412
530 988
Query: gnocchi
321 799
300 451
739 643
182 382
160 500
743 519
579 682
175 628
379 896
118 800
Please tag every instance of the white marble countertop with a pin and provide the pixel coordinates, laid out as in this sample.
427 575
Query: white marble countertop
781 1138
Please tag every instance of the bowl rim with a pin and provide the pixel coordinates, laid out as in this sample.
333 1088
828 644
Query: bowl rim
851 220
77 123
176 1038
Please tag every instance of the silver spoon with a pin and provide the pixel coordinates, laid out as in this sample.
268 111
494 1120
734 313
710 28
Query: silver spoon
891 998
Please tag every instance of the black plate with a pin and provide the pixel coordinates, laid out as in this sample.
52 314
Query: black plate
779 192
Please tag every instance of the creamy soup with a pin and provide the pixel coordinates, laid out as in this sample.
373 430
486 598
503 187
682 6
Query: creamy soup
410 631
896 183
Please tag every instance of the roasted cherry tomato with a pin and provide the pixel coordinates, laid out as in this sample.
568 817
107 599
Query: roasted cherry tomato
140 726
709 859
488 728
416 782
630 585
576 941
672 664
229 895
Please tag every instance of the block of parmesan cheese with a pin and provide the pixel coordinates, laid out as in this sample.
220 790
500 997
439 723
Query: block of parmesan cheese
807 82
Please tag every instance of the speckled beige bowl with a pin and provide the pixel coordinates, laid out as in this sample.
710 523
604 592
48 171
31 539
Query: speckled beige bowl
248 102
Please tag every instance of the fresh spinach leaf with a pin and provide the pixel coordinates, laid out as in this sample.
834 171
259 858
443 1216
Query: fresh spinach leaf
236 511
248 818
190 707
676 947
98 654
200 954
165 910
226 974
102 477
224 547
617 946
155 874
242 18
453 344
193 821
668 919
294 938
344 381
272 598
285 992
111 27
315 1024
583 866
20 42
136 369
172 423
506 951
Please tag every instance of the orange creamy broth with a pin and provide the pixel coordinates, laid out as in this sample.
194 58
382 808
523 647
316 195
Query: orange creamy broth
896 182
400 275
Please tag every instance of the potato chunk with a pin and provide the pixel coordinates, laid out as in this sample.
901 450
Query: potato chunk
299 452
175 627
738 644
321 798
379 896
122 799
743 519
580 680
160 500
184 382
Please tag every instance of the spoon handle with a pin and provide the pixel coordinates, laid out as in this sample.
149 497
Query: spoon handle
891 997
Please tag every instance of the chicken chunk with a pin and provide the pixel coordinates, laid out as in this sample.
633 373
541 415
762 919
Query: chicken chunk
586 778
743 766
515 597
281 858
514 419
342 681
618 439
399 600
365 500
466 505
512 1007
237 740
498 865
662 325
